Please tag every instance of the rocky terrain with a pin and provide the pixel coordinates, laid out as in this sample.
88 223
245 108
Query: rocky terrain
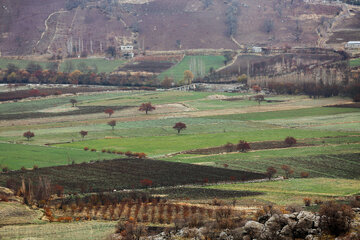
67 27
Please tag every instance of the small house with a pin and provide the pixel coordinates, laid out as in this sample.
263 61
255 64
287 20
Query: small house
353 44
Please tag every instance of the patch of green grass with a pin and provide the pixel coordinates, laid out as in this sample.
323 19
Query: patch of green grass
89 230
355 62
177 71
21 64
285 114
294 190
160 145
102 64
16 156
136 98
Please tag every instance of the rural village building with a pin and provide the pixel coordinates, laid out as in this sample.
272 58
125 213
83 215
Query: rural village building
353 44
127 51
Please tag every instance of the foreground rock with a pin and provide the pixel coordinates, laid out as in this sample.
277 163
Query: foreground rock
299 225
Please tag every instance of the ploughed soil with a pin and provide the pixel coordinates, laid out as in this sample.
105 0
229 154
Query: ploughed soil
347 105
147 66
127 173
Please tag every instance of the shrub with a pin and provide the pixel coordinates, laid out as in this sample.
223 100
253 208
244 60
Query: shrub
5 169
59 190
288 171
307 201
356 98
146 182
129 154
141 155
224 219
336 218
270 172
86 148
4 198
290 141
217 202
243 146
304 174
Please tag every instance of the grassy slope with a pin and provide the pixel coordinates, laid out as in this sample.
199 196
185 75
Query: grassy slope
20 63
17 155
102 64
177 71
294 190
159 145
318 111
355 62
90 230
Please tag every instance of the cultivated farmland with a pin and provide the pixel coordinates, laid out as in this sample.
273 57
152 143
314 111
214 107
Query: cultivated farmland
146 154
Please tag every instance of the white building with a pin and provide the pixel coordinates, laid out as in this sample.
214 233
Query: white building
353 44
257 49
127 48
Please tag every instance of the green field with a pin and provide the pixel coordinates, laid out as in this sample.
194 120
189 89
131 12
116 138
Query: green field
22 64
327 128
288 114
355 62
177 71
16 156
93 230
160 145
102 64
292 191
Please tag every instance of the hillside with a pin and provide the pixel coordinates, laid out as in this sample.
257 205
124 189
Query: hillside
70 26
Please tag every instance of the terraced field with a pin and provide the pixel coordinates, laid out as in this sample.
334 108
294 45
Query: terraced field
200 62
293 191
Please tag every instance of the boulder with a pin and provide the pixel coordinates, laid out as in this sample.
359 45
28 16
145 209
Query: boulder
254 229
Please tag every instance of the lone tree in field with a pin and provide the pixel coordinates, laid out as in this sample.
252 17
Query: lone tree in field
290 141
243 146
179 126
109 111
288 171
83 134
28 135
112 124
188 77
73 102
270 172
146 107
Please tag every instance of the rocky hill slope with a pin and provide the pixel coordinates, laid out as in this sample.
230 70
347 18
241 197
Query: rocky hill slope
74 26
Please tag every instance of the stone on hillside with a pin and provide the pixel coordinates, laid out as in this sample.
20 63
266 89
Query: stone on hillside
254 229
